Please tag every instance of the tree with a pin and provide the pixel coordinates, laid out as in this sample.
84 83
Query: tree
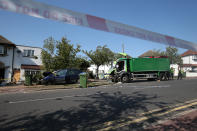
102 55
173 55
59 54
82 63
47 54
66 54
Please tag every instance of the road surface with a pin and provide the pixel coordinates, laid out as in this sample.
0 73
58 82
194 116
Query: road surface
129 106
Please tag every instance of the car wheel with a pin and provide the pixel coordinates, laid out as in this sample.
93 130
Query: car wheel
76 81
125 79
50 82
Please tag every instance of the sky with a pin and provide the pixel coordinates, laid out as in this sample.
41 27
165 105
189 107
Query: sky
177 18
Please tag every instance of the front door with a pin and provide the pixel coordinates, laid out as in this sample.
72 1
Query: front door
2 72
16 75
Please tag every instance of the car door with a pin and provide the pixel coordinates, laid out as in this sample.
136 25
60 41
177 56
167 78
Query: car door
67 76
72 76
60 76
76 75
77 72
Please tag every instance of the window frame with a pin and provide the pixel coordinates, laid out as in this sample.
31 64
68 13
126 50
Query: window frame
2 50
194 57
31 72
28 53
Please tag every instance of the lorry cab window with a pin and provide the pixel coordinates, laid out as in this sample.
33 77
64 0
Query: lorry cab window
120 66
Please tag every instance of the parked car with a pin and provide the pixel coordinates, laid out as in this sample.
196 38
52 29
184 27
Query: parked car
62 76
49 78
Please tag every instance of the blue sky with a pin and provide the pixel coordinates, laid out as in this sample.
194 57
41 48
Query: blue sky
177 18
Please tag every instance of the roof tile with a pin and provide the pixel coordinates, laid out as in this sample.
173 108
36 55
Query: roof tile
5 41
189 52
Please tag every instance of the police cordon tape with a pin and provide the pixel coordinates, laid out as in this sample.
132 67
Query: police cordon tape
41 10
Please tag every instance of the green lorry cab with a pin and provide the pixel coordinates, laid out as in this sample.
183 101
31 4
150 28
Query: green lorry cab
127 69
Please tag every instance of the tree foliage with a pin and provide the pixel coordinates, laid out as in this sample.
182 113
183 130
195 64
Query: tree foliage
61 54
102 55
82 63
173 55
47 54
66 54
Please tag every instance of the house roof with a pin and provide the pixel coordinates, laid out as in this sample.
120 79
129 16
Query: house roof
28 46
35 67
189 52
5 41
147 54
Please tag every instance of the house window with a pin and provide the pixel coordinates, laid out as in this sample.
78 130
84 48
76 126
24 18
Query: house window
32 72
28 53
1 49
194 57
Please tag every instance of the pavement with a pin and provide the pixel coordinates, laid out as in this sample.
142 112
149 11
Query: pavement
140 105
23 89
20 88
183 122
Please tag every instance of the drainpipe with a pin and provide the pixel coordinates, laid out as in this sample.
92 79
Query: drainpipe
12 65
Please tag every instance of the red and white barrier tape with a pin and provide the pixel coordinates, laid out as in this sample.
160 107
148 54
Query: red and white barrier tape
41 10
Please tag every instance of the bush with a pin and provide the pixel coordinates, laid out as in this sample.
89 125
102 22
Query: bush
36 78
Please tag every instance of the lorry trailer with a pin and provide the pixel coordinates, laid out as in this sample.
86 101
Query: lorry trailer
127 69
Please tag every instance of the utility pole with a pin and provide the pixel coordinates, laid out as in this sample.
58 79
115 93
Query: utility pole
122 47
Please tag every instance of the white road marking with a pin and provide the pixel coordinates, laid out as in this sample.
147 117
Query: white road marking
43 99
144 87
135 87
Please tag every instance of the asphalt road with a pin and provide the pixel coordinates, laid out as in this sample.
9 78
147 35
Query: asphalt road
130 106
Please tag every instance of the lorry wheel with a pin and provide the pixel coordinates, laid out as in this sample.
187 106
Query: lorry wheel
125 79
161 76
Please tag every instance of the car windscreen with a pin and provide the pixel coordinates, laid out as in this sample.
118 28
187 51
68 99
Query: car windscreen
61 72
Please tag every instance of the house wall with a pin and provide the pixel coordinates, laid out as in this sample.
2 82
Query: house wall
186 69
21 59
191 74
189 59
7 61
102 69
